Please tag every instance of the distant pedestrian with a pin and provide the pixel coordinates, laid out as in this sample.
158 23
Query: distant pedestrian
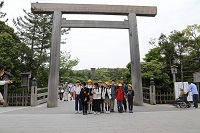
61 91
72 88
66 93
130 96
84 97
113 96
78 102
89 86
193 88
96 98
120 98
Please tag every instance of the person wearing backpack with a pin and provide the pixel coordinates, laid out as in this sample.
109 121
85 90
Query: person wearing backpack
130 95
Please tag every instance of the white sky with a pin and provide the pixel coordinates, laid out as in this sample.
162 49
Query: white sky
109 48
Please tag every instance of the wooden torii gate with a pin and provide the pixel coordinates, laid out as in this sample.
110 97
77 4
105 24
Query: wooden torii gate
57 9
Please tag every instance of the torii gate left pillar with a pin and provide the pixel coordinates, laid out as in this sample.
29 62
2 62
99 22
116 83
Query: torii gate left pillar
59 9
54 60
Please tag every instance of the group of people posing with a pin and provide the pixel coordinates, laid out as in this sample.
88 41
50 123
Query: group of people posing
100 97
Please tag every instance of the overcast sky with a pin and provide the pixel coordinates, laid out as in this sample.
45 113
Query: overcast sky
109 48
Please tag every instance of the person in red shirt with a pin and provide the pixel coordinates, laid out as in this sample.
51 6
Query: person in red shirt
120 98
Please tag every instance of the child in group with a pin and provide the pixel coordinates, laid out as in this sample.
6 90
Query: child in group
106 95
96 98
89 86
120 98
130 96
102 100
84 94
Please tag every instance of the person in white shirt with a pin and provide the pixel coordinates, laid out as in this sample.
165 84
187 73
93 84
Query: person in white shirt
3 82
106 95
96 91
78 102
72 97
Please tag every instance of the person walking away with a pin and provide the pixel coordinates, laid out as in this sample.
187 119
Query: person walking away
96 98
193 88
78 102
89 86
113 96
130 96
2 68
125 88
66 93
120 97
84 97
106 94
72 97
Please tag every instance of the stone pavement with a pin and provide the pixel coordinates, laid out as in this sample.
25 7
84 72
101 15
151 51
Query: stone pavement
62 119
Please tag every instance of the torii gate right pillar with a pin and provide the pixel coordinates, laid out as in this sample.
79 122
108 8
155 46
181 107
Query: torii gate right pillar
135 60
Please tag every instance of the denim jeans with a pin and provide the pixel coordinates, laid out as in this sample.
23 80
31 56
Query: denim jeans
78 102
119 105
195 100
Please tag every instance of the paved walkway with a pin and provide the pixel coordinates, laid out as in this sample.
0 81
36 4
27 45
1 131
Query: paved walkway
62 119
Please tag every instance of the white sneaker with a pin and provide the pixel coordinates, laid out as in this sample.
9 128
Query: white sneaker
108 112
98 113
76 112
80 112
95 113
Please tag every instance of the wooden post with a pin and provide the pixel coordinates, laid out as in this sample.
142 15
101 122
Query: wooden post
54 61
135 60
33 95
152 95
5 95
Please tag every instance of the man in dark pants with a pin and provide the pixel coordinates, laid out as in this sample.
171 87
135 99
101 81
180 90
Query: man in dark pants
193 88
84 97
125 88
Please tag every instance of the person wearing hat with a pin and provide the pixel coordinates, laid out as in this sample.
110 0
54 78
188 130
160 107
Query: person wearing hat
119 97
3 82
84 94
106 95
66 93
89 86
78 102
130 95
125 88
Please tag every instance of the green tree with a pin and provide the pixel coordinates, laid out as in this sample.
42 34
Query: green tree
13 54
66 65
2 14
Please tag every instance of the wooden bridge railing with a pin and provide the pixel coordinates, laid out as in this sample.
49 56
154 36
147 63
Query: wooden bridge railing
161 97
37 96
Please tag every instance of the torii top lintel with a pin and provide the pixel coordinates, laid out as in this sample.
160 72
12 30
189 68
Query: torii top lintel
46 8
